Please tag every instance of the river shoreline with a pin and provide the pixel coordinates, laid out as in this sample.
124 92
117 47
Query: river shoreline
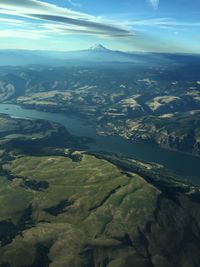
180 163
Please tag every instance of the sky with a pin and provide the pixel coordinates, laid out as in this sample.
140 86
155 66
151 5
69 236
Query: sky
128 25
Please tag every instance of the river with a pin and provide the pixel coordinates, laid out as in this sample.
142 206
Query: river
183 164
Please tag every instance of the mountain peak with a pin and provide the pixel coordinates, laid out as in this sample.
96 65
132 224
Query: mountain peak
98 47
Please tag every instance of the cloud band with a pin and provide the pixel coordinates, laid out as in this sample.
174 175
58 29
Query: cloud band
44 11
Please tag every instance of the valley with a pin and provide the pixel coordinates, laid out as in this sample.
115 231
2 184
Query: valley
185 166
139 103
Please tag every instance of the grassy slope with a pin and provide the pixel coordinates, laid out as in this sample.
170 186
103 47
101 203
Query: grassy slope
109 216
62 208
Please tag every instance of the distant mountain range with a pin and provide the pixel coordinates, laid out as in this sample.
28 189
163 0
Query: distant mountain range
97 54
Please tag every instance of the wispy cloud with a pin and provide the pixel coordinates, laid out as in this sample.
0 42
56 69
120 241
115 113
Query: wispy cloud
171 23
154 3
48 12
11 21
75 4
23 34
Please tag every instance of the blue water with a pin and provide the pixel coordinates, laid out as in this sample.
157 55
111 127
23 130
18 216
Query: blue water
183 164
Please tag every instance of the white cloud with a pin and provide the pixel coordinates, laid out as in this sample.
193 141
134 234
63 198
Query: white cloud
154 3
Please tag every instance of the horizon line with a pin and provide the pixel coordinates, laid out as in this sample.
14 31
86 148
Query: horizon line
85 49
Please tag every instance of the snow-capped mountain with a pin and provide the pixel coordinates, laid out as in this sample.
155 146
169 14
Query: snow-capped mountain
98 48
96 54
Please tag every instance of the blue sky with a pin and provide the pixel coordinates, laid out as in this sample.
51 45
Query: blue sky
129 25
